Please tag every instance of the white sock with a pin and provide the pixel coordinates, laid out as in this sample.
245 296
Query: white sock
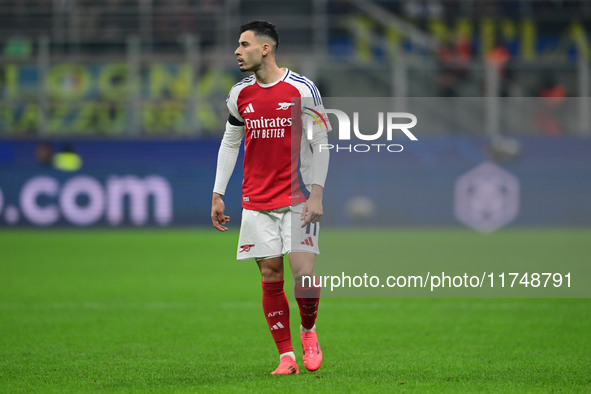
290 354
303 329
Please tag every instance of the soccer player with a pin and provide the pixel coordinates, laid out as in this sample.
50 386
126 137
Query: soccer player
284 175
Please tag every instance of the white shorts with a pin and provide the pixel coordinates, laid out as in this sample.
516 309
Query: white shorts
265 234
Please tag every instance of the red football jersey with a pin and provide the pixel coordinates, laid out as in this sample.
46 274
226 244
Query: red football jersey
276 174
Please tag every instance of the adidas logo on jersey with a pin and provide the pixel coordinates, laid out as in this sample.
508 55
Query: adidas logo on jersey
308 241
249 109
277 326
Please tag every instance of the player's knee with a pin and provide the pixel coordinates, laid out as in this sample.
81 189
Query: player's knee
271 274
301 276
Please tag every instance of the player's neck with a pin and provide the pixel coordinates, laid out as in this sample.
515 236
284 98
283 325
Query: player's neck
269 74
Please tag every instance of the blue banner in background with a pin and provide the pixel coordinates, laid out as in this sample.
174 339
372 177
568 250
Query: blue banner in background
435 182
121 183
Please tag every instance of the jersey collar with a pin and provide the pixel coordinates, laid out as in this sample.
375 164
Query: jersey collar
268 85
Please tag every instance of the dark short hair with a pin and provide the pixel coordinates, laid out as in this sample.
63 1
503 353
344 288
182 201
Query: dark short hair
262 28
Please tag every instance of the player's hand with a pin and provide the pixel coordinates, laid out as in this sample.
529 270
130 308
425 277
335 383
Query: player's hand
312 211
217 213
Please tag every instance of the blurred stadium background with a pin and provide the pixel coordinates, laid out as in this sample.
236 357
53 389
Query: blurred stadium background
111 111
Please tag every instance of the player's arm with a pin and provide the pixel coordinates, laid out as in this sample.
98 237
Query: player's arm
313 211
227 156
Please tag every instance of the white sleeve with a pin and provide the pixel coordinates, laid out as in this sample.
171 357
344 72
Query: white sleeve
231 103
227 156
320 158
312 104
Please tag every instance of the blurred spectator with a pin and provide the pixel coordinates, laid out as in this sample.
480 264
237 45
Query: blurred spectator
499 57
551 89
67 159
549 114
44 154
117 19
172 18
90 16
454 62
204 19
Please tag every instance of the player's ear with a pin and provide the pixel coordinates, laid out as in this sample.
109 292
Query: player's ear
266 49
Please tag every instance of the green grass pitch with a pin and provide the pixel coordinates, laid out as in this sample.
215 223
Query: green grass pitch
172 311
